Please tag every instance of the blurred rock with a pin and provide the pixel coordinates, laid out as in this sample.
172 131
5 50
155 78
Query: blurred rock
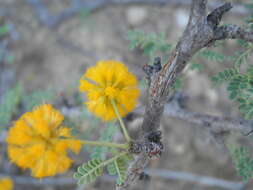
181 17
136 15
200 85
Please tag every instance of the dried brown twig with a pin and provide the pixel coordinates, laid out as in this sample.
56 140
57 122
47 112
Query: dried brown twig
176 108
161 173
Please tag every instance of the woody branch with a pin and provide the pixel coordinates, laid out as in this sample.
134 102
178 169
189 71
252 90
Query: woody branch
201 31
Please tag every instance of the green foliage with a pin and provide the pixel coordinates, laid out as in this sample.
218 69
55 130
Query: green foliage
240 88
84 13
151 44
85 18
243 162
106 136
88 172
178 84
249 20
8 105
4 29
196 66
225 75
212 55
14 96
38 97
119 168
5 54
239 82
93 121
241 57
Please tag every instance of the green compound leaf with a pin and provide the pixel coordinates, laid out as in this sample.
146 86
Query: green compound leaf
119 168
4 29
225 75
212 56
250 70
38 97
239 88
243 162
196 66
150 43
106 135
242 57
9 103
88 172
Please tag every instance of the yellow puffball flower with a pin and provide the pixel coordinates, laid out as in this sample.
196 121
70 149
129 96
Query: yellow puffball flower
39 142
6 184
107 81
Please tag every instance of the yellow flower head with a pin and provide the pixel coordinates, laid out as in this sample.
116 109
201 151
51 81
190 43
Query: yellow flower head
6 184
39 142
107 81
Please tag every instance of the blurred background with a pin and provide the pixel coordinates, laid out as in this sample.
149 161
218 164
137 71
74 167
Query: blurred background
45 47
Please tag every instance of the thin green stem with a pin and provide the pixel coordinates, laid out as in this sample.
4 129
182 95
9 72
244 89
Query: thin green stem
242 55
120 121
107 144
114 158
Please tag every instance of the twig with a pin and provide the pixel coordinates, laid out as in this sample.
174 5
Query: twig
62 181
54 20
161 173
203 180
217 124
214 17
233 32
214 123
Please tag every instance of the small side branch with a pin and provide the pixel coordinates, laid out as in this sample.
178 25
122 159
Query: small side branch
54 20
161 173
215 16
215 124
233 32
203 180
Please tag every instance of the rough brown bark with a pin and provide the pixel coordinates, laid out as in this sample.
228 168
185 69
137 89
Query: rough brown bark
202 30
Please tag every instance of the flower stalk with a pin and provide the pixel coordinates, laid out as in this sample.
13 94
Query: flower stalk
123 127
107 144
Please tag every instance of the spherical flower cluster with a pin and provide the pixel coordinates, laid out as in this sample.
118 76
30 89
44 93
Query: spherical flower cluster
39 142
106 82
6 184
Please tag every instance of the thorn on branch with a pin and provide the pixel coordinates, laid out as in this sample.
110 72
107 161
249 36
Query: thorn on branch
155 136
157 64
152 69
215 16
